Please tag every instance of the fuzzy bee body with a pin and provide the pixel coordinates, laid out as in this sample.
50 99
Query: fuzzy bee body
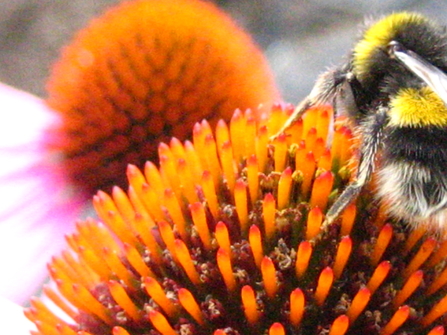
412 174
394 90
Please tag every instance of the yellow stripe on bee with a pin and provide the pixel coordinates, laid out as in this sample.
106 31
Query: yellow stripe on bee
417 108
378 36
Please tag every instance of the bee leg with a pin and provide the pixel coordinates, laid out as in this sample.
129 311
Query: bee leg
324 91
297 113
372 133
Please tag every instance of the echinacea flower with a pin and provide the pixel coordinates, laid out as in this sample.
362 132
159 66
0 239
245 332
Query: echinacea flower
226 238
144 70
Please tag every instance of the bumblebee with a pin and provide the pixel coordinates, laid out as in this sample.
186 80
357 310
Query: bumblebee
394 90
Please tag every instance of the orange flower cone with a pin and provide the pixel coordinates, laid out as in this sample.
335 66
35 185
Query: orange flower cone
226 237
144 71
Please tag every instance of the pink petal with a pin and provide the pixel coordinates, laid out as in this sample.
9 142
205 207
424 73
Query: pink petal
36 207
13 321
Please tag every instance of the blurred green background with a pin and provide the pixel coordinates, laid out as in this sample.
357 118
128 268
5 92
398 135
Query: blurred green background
300 38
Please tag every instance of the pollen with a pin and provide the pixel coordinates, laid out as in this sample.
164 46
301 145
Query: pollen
145 71
200 255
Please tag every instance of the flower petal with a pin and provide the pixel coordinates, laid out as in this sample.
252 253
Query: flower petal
14 321
31 186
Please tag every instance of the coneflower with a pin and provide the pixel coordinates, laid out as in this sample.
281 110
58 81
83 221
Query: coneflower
144 71
226 238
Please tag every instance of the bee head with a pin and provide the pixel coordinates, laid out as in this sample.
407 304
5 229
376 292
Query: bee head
371 62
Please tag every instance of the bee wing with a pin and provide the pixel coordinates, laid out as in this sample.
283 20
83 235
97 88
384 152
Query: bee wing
325 91
430 74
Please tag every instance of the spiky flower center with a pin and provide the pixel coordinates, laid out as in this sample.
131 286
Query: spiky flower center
226 238
145 71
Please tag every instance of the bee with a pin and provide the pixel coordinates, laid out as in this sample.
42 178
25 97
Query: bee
393 88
